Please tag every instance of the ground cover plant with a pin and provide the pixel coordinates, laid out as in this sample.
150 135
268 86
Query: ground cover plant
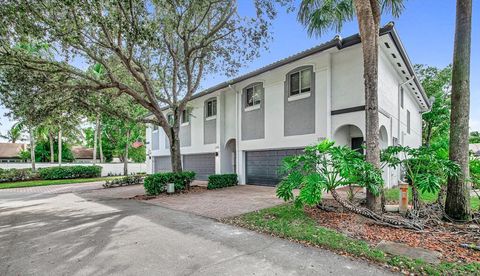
217 181
124 181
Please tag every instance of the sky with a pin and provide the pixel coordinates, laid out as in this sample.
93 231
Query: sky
426 28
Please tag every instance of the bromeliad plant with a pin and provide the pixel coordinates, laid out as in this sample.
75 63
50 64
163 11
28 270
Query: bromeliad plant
425 169
323 168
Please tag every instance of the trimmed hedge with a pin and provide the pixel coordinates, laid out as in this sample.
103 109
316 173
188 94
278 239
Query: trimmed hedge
12 175
217 181
124 181
68 172
156 183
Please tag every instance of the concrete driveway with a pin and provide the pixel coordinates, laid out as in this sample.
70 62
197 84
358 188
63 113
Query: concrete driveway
89 234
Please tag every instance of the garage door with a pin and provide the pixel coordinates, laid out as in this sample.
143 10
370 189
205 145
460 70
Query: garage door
202 164
162 164
262 166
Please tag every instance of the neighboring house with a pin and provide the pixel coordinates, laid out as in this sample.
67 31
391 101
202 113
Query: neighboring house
9 152
475 149
249 124
83 154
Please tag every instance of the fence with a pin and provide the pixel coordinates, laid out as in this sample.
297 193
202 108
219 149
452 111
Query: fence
107 168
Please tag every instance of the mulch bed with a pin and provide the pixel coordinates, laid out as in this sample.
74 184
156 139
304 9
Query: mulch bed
193 189
444 237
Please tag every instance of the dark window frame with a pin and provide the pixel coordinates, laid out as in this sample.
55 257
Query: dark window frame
402 95
300 89
211 108
252 87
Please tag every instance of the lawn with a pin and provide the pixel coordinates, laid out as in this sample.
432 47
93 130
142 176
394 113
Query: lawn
394 194
289 222
33 183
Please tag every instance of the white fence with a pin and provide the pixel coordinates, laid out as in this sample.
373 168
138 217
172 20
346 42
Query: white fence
107 168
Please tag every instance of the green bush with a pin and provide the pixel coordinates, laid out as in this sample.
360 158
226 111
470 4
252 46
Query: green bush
12 175
124 181
157 183
216 181
475 172
68 172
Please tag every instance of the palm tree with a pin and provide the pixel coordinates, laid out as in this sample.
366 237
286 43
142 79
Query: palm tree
457 204
14 134
319 16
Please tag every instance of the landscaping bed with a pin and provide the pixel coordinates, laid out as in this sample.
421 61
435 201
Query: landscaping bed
351 235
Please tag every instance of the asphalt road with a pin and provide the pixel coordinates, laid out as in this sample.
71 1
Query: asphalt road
83 234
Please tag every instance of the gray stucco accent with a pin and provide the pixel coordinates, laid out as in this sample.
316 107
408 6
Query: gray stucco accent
186 135
162 164
253 121
209 126
299 115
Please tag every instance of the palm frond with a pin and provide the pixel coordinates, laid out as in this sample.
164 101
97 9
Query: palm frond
394 7
318 16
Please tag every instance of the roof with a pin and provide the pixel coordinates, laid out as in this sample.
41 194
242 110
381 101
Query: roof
339 43
11 150
81 152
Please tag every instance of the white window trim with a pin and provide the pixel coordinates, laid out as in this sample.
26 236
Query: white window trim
211 118
185 124
299 96
253 107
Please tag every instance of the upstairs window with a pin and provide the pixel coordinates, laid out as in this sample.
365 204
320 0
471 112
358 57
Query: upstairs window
170 119
300 82
185 116
211 108
155 127
401 96
253 95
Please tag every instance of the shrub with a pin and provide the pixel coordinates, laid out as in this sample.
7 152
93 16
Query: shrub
157 183
68 172
222 180
12 175
124 181
475 172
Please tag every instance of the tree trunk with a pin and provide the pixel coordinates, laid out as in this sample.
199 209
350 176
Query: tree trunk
100 148
415 198
125 156
176 157
457 204
32 148
95 137
60 147
52 153
394 222
368 19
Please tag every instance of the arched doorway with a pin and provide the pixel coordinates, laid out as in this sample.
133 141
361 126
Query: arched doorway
231 155
349 135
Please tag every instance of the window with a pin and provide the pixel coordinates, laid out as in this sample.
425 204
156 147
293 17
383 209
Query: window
170 119
300 82
185 116
155 127
253 95
211 108
401 97
408 122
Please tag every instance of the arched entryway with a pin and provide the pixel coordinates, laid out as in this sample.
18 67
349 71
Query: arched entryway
230 155
349 135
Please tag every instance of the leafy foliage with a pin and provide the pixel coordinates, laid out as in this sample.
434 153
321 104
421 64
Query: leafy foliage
216 181
124 181
424 168
67 172
156 183
475 172
12 175
325 167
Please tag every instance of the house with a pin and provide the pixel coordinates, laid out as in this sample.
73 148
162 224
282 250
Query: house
10 152
249 124
83 154
475 149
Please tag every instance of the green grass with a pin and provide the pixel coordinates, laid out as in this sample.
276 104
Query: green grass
292 223
394 195
33 183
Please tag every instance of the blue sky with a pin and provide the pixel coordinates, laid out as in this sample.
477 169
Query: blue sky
426 29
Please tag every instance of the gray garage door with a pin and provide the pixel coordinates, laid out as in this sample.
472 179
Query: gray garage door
262 166
162 164
202 164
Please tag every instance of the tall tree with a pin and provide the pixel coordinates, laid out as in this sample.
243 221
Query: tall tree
437 84
14 134
457 204
318 16
165 46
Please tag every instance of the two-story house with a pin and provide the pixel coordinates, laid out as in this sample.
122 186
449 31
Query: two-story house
249 124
